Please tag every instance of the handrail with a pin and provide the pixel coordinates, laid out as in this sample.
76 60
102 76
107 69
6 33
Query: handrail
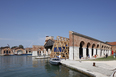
113 74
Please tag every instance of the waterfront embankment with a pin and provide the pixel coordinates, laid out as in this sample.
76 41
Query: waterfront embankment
101 68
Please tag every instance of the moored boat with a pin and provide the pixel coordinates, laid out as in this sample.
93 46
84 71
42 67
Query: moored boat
55 61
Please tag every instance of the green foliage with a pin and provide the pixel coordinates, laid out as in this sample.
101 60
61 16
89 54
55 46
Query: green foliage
105 59
14 47
106 42
21 46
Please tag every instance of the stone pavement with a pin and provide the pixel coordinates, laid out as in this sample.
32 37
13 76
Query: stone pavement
101 69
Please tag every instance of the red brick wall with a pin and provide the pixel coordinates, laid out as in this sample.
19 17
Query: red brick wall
78 39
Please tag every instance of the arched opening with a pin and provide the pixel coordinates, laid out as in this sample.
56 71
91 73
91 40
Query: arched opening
4 52
7 52
87 49
81 49
101 51
30 52
108 51
39 51
92 49
104 50
19 52
97 49
26 52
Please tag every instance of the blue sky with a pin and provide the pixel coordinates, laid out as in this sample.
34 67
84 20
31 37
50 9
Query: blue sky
28 22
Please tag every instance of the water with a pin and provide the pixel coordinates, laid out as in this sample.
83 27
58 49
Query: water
27 66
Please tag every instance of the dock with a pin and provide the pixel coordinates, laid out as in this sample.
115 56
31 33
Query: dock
101 68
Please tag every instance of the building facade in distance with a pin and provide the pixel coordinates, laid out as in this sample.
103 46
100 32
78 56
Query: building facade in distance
113 48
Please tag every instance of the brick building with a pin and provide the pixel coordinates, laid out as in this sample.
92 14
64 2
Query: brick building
84 46
11 51
113 48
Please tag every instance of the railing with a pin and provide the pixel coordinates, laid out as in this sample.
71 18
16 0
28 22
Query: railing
113 74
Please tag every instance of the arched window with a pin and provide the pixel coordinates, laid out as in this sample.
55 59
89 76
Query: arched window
97 49
26 52
87 49
6 52
93 50
29 51
81 49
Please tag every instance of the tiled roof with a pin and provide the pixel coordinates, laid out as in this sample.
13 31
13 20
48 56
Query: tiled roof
87 37
112 43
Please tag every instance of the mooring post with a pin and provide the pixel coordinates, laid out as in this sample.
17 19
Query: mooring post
93 63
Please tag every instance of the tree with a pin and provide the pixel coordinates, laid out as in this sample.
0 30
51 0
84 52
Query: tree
14 47
21 46
106 42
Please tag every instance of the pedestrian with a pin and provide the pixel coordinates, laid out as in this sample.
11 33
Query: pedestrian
80 58
106 55
114 55
59 56
88 56
95 56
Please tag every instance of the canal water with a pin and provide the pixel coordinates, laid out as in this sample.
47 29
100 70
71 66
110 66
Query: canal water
27 66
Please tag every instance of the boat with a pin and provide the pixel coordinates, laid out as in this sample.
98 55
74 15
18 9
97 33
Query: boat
55 61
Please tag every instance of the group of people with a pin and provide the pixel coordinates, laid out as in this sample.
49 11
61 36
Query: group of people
94 56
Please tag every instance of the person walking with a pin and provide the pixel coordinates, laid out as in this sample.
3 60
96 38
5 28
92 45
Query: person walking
114 55
95 56
88 56
106 55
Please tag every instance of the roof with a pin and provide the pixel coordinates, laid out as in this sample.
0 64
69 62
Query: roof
49 43
87 37
112 43
5 47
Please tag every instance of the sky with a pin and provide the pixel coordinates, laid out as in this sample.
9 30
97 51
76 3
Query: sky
28 22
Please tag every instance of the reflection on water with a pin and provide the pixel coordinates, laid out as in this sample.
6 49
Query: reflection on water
27 66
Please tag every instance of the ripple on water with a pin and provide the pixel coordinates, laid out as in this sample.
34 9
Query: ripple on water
23 66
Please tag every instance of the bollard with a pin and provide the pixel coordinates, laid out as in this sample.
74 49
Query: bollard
93 63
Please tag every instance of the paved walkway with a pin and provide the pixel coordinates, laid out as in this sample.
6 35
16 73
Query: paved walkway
102 68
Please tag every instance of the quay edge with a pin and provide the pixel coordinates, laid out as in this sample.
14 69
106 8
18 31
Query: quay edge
79 70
